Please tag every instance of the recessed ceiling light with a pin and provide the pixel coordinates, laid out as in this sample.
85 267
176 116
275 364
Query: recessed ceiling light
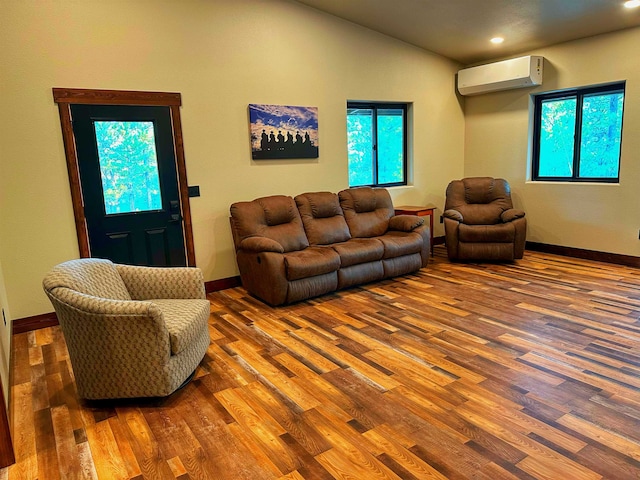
498 40
631 4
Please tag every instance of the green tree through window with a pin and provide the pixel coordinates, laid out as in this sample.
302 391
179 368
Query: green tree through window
577 134
377 144
128 166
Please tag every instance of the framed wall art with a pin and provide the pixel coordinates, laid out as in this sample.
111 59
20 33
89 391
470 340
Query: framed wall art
283 131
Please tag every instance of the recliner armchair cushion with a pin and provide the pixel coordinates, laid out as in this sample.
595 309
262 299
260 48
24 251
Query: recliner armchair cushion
511 215
480 214
502 233
479 190
453 215
480 200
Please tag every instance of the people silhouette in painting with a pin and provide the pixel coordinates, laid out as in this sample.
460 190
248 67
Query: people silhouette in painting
280 140
279 146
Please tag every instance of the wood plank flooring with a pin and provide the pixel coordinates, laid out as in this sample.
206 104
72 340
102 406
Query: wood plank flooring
528 370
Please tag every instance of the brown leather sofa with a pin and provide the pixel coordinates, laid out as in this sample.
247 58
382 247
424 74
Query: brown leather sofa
480 222
293 249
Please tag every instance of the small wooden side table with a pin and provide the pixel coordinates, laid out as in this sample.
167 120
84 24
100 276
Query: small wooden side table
424 211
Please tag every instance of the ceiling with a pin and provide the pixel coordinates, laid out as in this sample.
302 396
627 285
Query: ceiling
461 29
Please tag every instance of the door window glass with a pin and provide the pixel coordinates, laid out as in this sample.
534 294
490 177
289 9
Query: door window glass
128 166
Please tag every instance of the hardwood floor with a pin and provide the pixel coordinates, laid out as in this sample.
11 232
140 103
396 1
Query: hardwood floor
484 371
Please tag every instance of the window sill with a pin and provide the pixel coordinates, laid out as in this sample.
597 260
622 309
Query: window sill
399 187
546 182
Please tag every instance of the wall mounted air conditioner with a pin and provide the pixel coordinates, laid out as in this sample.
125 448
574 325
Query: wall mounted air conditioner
514 73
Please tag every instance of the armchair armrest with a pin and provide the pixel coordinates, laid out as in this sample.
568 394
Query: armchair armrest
511 215
145 283
260 244
94 326
90 305
405 223
453 215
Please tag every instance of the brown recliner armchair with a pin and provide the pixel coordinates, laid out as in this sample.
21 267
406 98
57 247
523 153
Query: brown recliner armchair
480 222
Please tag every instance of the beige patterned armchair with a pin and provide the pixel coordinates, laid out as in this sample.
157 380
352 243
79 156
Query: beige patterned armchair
131 331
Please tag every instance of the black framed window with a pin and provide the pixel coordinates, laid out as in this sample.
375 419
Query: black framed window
377 144
578 134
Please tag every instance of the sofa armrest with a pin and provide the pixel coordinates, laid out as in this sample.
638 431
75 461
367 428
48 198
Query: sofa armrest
260 244
453 215
405 223
264 275
145 283
511 215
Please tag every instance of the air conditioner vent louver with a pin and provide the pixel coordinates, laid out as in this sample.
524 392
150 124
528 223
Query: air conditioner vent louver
514 73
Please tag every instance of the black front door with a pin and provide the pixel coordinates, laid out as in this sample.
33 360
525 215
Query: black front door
129 183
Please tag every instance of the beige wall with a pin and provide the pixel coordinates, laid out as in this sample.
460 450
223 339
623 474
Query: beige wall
595 217
220 55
